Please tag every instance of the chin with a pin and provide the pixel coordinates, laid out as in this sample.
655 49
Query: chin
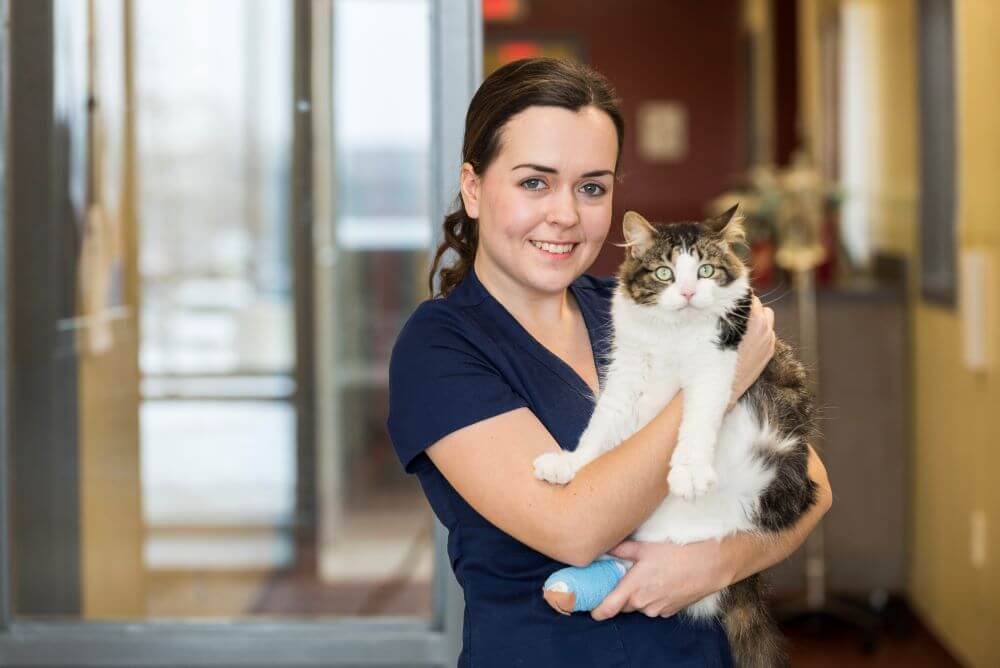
552 281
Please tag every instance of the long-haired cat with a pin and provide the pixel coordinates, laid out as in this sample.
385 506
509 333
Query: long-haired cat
679 312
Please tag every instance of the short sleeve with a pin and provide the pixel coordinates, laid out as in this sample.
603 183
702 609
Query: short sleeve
440 380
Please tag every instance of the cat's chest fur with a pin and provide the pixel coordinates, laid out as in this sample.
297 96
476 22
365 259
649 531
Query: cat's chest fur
652 371
654 360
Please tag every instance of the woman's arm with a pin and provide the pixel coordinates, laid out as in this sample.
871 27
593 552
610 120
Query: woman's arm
489 464
667 577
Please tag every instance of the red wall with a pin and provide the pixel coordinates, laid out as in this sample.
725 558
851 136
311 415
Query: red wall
688 51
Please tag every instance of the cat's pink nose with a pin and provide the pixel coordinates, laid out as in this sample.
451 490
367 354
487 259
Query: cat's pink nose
687 294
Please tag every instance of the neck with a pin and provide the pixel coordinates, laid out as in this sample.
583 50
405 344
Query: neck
542 310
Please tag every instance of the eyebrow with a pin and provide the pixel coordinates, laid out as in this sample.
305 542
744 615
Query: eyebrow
552 170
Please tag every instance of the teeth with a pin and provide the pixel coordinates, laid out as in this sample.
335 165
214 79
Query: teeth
553 248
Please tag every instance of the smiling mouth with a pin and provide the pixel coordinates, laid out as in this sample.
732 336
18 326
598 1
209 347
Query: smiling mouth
554 249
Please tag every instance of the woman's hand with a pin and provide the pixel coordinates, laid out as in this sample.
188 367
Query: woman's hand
755 350
666 577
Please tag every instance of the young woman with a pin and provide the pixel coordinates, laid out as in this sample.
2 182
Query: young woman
503 367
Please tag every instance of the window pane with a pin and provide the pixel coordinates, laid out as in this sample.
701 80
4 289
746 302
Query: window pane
225 454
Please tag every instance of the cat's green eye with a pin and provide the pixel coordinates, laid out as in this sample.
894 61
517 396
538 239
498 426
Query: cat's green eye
706 271
664 273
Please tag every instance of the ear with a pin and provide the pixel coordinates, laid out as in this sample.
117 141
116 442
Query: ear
468 182
638 234
729 226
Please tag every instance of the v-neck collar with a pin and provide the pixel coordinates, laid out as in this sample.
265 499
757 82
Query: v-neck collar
478 292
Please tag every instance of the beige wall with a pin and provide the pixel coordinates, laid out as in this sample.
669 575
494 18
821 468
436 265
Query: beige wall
955 449
956 431
113 585
889 88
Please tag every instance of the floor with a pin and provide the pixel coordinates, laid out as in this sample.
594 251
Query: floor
906 643
381 567
368 577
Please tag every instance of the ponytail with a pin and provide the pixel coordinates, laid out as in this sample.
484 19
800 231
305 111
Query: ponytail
461 234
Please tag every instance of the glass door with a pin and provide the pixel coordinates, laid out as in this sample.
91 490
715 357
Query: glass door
218 216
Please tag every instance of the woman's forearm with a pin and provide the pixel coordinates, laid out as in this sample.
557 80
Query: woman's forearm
616 492
746 553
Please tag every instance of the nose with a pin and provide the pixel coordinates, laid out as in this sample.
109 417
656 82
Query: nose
687 293
563 208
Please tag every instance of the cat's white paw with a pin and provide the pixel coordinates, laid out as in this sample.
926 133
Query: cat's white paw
555 467
691 480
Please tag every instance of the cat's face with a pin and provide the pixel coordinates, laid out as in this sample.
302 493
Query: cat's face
685 269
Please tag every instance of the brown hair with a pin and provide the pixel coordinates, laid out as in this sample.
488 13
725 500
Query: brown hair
508 91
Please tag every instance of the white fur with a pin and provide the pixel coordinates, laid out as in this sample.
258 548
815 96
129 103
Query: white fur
715 479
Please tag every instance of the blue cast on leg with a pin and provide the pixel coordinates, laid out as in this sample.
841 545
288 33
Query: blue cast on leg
577 589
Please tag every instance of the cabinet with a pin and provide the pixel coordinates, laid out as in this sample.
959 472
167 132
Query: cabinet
863 395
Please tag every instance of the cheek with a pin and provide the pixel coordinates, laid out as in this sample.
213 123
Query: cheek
514 217
596 223
671 296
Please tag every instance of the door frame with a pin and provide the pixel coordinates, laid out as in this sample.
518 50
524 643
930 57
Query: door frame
456 63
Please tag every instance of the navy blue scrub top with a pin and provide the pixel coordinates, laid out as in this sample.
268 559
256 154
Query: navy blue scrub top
462 359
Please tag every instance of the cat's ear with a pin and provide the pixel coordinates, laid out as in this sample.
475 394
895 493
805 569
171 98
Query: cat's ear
729 226
638 234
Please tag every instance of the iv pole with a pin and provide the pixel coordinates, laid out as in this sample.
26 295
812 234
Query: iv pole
800 252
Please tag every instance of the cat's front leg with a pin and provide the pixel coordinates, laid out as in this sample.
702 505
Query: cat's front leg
561 466
706 396
611 417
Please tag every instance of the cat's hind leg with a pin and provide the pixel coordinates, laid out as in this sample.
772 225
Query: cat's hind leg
575 589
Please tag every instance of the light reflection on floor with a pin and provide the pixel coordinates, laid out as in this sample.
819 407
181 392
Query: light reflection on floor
218 480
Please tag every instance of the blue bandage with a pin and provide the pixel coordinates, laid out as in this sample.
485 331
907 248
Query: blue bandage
590 584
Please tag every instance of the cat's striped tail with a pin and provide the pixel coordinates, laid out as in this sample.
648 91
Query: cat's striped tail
754 639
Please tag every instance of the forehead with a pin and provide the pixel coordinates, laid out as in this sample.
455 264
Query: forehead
570 141
680 240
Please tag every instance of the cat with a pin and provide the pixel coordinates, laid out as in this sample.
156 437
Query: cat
679 311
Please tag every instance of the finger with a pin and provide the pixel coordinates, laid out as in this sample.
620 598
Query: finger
627 549
653 609
769 313
616 600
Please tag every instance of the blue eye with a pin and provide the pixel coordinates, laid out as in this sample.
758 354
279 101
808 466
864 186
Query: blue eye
532 180
600 189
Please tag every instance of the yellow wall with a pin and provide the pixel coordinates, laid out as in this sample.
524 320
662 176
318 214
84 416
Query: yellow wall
887 29
113 584
956 449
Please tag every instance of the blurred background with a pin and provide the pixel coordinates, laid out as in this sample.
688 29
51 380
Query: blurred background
217 220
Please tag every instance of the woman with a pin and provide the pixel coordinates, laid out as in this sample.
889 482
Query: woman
504 366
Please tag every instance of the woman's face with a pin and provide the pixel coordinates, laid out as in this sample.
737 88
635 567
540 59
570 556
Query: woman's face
549 186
